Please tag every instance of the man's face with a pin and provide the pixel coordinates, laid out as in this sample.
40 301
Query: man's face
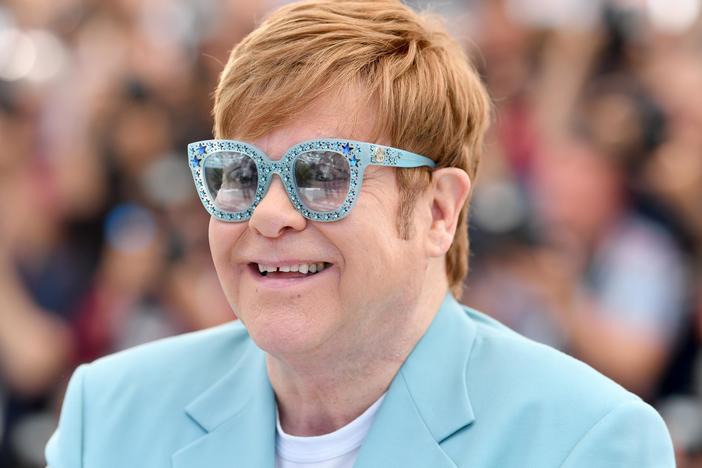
371 277
579 190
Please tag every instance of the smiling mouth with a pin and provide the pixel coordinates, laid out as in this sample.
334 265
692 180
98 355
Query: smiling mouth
300 270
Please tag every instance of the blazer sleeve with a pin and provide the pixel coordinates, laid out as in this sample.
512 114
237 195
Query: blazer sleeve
65 448
632 435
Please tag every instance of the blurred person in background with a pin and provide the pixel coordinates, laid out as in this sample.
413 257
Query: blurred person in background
673 72
41 276
615 281
599 280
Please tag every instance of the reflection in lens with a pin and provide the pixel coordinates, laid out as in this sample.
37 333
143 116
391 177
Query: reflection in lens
231 179
322 179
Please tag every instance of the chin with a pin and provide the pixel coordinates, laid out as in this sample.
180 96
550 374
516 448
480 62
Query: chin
294 329
284 344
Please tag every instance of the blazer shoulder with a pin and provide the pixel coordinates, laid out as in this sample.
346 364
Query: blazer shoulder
632 434
131 405
536 396
202 356
534 375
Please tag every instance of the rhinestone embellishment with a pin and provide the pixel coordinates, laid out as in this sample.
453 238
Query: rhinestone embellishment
379 155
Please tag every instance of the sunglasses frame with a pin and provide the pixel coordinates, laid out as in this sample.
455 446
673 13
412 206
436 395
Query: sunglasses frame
358 154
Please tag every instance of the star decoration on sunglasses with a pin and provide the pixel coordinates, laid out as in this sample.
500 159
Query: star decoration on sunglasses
346 149
195 162
355 161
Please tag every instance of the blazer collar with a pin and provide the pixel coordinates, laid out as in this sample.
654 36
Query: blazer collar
428 400
435 371
238 414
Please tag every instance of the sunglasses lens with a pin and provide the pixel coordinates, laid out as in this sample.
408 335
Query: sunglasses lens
231 179
322 179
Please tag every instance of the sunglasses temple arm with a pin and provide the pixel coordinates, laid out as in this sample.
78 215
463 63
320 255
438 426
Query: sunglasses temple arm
407 159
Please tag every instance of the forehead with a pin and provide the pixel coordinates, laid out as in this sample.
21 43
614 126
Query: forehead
345 114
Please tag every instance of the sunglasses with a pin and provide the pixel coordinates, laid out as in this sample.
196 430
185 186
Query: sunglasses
321 177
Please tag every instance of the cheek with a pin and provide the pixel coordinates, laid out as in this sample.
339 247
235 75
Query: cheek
223 238
218 241
376 259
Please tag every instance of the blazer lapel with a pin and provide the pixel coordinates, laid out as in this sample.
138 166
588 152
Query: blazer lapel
238 415
399 437
427 401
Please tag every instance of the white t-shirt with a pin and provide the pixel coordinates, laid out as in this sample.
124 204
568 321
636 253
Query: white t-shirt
338 449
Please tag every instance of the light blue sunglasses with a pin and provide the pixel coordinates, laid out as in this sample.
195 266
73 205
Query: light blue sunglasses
322 177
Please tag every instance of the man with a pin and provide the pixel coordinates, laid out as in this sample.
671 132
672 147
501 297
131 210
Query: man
347 136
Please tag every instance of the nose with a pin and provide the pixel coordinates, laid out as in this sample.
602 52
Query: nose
275 214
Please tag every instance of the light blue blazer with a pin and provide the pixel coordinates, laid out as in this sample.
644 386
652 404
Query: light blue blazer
471 394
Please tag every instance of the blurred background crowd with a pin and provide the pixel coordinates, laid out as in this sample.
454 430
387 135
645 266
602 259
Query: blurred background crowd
586 224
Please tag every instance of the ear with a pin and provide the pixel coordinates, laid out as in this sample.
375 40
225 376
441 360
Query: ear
450 189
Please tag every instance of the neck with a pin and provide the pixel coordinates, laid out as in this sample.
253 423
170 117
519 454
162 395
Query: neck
322 393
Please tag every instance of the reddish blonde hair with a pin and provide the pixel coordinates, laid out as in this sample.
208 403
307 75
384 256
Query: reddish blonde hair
419 79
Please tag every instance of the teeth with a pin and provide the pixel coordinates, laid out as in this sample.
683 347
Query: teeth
266 268
303 268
